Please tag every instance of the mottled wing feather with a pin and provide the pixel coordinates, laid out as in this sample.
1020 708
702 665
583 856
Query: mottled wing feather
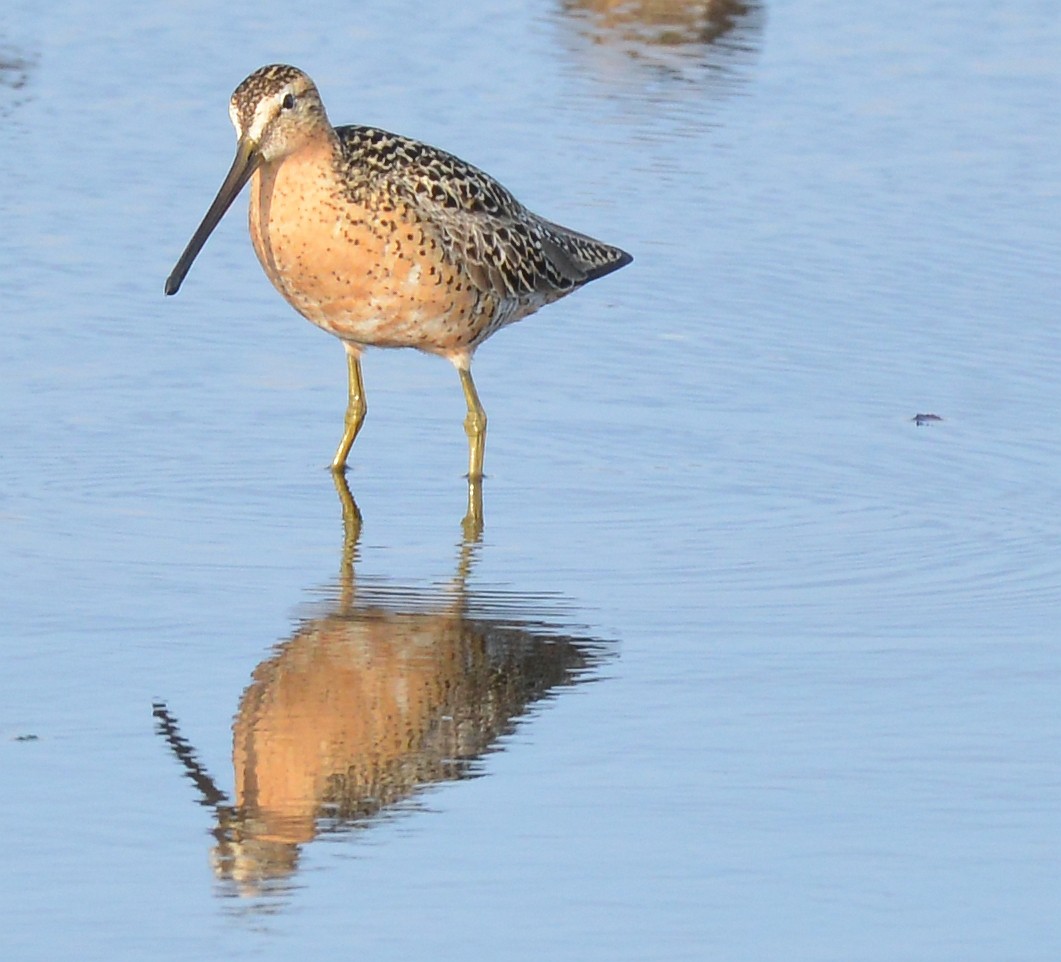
506 249
588 255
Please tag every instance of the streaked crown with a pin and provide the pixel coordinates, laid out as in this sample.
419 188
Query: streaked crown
277 107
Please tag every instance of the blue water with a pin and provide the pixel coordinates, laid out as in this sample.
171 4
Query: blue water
812 706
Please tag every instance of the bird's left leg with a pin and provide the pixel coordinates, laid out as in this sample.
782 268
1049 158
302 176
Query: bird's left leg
356 407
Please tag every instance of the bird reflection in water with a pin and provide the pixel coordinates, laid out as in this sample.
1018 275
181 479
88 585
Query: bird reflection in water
385 692
670 34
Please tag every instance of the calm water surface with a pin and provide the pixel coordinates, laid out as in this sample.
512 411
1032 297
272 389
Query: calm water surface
745 663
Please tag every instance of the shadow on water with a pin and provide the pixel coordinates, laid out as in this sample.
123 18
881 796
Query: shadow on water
682 39
383 692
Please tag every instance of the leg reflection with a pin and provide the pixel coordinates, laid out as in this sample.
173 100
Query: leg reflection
383 689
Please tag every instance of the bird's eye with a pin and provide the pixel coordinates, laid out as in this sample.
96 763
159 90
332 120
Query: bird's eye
288 102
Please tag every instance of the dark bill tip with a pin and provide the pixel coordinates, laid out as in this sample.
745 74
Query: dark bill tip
246 163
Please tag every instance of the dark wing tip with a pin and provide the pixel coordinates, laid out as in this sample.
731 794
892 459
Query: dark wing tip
621 259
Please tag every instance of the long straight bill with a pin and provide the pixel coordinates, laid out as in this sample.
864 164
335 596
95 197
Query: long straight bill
246 163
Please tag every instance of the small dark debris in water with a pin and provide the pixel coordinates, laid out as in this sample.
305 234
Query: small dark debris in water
25 738
920 419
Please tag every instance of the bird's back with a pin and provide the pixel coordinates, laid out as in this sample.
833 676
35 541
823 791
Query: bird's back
508 252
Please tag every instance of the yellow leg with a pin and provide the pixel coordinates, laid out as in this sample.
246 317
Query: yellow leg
474 426
472 524
355 411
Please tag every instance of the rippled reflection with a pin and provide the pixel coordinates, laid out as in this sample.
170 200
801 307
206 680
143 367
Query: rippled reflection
682 38
385 691
15 71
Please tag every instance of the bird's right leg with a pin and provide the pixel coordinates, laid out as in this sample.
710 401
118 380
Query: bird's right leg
474 424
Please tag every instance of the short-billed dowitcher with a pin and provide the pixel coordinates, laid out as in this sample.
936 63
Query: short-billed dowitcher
384 241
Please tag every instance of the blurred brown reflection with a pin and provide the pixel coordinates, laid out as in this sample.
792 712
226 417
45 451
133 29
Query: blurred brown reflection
668 34
386 691
665 22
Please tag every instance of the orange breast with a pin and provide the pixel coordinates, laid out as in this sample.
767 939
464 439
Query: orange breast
373 277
